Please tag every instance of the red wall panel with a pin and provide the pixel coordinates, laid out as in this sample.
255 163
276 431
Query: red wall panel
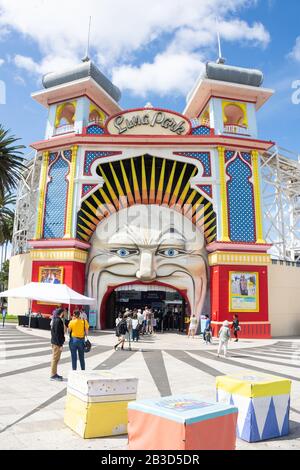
74 277
219 285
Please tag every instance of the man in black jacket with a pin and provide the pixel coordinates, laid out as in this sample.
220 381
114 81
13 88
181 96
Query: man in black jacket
57 341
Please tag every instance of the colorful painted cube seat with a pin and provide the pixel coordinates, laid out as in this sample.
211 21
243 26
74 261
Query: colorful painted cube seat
181 423
263 402
96 404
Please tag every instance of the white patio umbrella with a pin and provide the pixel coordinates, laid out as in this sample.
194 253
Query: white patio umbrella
44 292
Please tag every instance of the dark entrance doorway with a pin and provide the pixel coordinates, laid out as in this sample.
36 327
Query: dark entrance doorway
168 305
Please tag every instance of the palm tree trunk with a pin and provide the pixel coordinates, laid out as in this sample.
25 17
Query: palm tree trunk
1 262
5 253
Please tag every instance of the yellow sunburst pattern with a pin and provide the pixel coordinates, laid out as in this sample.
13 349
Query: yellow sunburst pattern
146 180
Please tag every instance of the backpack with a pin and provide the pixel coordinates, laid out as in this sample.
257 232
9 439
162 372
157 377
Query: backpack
122 328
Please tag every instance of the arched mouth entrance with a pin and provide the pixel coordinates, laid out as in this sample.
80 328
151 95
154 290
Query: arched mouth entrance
170 306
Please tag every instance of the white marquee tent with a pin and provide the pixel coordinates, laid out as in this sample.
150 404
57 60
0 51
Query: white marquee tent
44 292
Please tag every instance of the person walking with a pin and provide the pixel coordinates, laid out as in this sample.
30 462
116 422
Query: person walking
140 318
121 330
135 328
207 334
57 341
78 330
235 327
82 315
128 335
149 318
145 316
224 337
193 326
4 312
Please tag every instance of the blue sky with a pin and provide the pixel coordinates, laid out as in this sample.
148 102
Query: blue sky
154 51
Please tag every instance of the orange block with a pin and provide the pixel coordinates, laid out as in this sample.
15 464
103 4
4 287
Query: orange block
181 423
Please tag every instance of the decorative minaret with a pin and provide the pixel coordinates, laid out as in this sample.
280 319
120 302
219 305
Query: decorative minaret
227 99
78 101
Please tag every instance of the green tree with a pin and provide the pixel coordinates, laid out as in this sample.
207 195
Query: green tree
11 161
4 275
7 202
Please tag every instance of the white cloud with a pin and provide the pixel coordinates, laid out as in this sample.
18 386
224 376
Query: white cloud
1 61
295 54
176 72
123 30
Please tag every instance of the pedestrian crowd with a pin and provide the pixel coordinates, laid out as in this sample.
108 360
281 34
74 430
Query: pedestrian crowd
132 324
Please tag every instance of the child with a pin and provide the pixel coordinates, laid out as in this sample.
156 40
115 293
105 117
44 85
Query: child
224 336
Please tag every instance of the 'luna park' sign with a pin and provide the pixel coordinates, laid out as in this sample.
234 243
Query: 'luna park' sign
148 121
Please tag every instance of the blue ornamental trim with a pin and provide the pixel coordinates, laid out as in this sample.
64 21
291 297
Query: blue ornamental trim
95 130
240 202
201 130
56 199
91 157
203 157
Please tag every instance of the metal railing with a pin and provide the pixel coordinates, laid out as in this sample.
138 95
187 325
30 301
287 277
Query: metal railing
64 129
233 129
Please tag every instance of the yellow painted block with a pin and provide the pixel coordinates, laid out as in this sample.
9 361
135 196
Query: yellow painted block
96 419
253 385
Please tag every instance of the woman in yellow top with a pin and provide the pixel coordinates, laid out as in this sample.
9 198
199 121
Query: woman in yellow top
78 329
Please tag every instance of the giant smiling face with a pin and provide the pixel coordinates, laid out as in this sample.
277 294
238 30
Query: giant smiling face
148 244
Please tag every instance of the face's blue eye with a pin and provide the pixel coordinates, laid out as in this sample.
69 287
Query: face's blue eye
123 252
170 252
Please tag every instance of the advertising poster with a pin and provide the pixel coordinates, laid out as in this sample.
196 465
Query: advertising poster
93 318
51 275
243 292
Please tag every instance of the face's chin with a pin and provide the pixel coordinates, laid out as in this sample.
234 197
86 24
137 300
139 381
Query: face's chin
172 255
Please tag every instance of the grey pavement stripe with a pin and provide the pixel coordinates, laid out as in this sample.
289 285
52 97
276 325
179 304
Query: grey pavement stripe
51 400
295 411
263 352
259 354
15 335
290 351
116 358
271 351
24 341
95 350
246 366
31 346
11 335
106 364
46 352
191 361
156 366
265 361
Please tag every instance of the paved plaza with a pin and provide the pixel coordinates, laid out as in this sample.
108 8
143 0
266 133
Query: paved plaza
32 406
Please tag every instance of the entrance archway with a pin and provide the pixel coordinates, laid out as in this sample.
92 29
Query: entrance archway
170 307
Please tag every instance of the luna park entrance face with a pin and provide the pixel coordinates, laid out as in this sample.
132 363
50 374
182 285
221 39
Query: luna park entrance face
168 306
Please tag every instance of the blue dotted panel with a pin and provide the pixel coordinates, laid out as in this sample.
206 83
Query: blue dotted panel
206 188
202 130
94 130
247 157
52 157
228 155
204 158
86 188
54 221
68 154
240 202
90 157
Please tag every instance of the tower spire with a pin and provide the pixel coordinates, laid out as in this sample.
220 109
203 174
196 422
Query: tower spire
220 59
86 58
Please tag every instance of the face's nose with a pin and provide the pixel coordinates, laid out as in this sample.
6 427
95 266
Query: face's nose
146 270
